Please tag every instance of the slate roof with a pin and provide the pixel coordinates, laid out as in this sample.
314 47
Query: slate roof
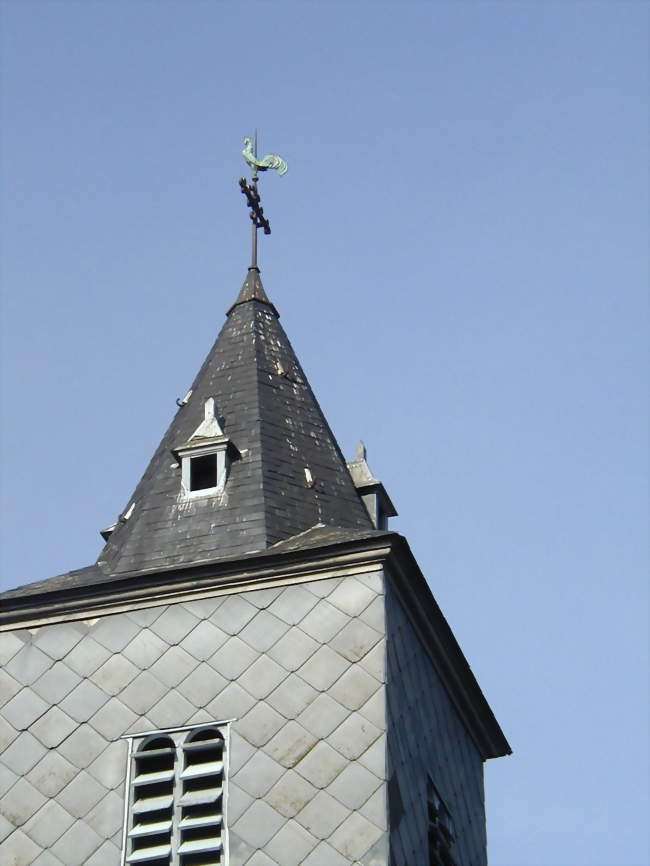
271 416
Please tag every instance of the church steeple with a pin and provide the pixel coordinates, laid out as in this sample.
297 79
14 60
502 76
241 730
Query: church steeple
253 290
286 472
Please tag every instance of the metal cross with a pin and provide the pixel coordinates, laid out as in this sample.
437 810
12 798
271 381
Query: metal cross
256 212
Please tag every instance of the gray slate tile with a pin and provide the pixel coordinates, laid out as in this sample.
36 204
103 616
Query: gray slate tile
82 746
354 736
355 640
87 656
20 802
204 640
354 786
260 724
77 844
10 644
19 850
322 765
53 727
114 632
7 734
354 688
109 768
293 649
258 774
375 808
323 715
106 817
8 687
290 744
56 683
113 720
291 844
290 794
58 640
232 703
322 815
263 631
323 668
171 711
141 694
23 753
48 824
262 677
323 622
324 855
83 701
293 604
292 696
173 666
355 836
28 664
174 624
81 795
232 659
145 649
233 614
107 854
23 709
258 824
351 596
51 774
115 674
202 685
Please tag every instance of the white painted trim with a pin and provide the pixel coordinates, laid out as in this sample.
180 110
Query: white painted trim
190 453
182 733
127 796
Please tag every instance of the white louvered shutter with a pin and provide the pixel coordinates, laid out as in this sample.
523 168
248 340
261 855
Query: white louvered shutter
176 799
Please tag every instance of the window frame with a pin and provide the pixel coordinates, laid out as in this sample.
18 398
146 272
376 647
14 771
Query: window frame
179 736
186 455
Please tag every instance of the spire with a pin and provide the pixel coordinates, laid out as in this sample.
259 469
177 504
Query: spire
253 290
282 469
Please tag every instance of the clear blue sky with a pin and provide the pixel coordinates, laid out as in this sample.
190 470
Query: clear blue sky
459 255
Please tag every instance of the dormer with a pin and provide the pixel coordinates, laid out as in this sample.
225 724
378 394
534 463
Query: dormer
205 458
372 492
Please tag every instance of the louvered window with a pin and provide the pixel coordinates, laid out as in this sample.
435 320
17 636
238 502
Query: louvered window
176 784
442 834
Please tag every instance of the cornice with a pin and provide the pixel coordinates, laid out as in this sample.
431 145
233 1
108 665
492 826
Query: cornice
389 552
153 588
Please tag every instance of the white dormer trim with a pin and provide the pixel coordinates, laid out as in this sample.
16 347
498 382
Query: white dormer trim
186 455
209 428
208 439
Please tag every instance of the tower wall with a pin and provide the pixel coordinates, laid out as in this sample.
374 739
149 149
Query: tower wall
299 668
426 738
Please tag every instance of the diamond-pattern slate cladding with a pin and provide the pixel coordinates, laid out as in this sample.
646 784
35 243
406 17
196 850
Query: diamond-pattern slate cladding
425 736
301 670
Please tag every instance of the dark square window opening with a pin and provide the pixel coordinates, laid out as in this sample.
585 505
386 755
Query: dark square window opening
203 472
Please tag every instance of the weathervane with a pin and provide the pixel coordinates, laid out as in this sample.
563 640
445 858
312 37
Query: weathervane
271 160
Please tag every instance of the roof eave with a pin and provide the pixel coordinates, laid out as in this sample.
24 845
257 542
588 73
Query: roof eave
386 548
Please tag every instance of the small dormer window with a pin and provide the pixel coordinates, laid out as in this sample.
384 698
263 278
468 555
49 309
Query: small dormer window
205 457
203 472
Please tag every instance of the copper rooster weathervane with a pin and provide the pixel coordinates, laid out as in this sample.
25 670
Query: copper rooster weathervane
271 160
